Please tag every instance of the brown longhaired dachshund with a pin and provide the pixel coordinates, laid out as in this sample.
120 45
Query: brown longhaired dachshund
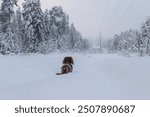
67 66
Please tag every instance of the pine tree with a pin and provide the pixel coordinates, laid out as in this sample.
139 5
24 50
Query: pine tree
146 36
85 45
7 13
19 29
139 45
8 38
33 26
59 22
72 35
116 43
75 39
47 27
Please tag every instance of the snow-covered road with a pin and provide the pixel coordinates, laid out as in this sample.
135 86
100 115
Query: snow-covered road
95 76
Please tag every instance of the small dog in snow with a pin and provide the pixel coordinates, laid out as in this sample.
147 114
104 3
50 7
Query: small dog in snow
67 67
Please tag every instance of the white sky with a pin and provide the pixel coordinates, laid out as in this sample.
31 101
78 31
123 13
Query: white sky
108 16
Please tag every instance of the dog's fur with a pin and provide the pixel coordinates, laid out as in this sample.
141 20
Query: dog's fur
68 60
67 65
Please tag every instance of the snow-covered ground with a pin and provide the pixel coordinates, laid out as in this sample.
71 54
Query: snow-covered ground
95 76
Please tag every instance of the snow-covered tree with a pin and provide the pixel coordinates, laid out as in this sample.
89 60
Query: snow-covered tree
47 27
19 19
140 45
6 13
85 45
125 42
145 37
59 22
8 37
33 25
75 39
19 29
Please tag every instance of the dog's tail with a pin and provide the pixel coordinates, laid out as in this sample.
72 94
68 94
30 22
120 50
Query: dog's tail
59 73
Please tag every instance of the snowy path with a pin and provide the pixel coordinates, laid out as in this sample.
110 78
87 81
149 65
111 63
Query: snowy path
94 77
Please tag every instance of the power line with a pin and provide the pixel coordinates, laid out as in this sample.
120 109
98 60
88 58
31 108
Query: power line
123 14
100 41
114 14
105 13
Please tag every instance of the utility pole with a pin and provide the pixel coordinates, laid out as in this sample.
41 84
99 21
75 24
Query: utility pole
100 42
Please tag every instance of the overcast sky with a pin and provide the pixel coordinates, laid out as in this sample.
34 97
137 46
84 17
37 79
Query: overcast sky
108 16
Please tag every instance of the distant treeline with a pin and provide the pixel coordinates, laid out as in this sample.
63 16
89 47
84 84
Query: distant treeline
132 41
